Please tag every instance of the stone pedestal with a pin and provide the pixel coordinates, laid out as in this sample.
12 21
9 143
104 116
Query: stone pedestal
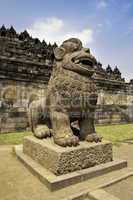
61 160
57 167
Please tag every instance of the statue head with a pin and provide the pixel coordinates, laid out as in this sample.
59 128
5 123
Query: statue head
72 56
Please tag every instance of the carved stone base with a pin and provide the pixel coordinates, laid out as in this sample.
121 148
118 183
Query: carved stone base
61 160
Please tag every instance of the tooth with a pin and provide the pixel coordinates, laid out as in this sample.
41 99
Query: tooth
77 61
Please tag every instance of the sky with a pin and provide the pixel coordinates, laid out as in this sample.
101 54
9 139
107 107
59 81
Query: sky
105 26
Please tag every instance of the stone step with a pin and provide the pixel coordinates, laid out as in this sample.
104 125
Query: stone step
101 195
54 182
81 190
92 186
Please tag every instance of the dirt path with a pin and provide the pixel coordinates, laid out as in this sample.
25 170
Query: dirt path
124 189
17 183
124 151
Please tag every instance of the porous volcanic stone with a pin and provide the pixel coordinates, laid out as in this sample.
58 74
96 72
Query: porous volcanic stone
61 160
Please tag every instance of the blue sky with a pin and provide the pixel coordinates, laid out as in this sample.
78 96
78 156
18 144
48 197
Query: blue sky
106 26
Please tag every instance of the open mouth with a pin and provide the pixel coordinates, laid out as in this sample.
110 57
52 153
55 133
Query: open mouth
85 62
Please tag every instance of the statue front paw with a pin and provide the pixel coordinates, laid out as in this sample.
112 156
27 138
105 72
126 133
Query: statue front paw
42 131
94 137
67 141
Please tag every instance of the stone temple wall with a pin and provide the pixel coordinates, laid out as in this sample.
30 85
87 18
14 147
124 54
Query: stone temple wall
115 106
15 98
25 69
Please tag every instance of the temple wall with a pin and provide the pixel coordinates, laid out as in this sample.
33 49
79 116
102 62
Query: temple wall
14 100
113 107
25 68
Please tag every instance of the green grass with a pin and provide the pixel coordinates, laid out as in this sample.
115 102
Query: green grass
113 133
116 133
13 138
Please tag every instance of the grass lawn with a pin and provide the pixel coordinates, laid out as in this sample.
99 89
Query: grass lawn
116 133
113 133
13 138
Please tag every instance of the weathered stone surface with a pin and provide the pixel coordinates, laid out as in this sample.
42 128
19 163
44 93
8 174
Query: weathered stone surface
71 96
64 160
13 121
54 182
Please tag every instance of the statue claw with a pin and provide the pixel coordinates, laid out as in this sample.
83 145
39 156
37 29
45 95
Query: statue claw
93 138
67 141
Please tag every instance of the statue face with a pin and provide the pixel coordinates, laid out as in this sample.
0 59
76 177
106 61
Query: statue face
74 57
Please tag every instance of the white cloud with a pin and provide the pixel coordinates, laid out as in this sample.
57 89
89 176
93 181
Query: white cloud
102 4
56 30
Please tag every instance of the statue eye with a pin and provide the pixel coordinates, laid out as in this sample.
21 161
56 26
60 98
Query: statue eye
75 47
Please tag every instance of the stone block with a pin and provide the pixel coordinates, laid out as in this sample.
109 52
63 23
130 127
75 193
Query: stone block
54 182
101 194
61 160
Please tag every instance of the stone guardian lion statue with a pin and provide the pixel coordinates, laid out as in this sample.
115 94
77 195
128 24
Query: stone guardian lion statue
71 96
